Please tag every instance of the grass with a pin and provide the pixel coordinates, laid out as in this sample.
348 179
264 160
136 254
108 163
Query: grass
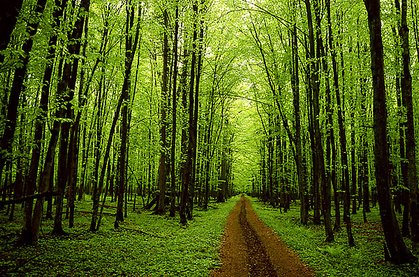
335 259
145 245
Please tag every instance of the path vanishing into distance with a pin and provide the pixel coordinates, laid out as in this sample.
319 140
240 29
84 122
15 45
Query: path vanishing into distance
250 248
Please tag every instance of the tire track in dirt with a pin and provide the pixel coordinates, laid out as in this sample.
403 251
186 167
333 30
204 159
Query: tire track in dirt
250 248
258 262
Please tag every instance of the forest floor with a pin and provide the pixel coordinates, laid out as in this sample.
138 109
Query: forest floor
143 245
152 245
250 248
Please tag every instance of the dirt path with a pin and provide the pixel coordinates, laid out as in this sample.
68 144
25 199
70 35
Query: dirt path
250 248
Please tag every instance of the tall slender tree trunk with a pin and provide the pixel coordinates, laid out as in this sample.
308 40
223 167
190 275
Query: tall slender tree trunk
163 119
295 83
342 134
406 88
184 142
415 23
65 91
363 157
318 147
188 165
194 129
74 144
395 248
131 42
313 91
9 131
39 130
174 115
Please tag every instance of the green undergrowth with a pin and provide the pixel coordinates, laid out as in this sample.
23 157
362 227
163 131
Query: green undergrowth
336 258
144 245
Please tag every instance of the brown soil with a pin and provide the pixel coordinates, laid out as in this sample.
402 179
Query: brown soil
250 248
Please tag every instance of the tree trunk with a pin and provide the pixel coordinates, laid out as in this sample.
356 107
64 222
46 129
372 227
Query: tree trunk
174 117
74 144
9 130
131 43
188 166
314 128
65 91
406 88
184 142
342 135
194 130
319 168
163 119
8 16
396 250
295 83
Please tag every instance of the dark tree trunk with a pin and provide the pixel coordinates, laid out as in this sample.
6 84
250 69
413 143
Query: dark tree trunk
174 117
363 155
163 120
188 166
342 135
395 248
314 128
401 103
319 168
8 16
415 23
18 87
184 142
74 144
406 88
295 83
194 129
65 92
131 43
207 144
98 123
270 160
7 139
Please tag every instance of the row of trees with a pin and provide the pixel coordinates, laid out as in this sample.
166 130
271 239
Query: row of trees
164 100
324 114
107 99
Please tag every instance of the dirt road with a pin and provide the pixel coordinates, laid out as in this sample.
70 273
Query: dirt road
250 248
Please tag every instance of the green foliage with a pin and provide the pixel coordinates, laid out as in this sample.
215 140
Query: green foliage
337 258
143 245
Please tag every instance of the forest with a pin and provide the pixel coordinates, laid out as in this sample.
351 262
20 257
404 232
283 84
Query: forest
160 122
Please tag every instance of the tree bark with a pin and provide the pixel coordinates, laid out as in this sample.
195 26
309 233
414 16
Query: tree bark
316 143
184 143
406 88
174 115
295 84
9 131
40 125
342 134
65 91
8 17
319 169
395 248
163 118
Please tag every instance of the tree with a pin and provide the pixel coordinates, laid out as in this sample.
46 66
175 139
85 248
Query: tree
131 42
342 132
18 85
395 248
406 89
174 114
163 116
65 91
